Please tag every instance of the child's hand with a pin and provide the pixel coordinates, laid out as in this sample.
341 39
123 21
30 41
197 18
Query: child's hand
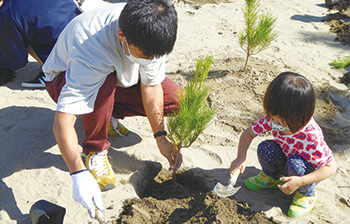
291 184
236 164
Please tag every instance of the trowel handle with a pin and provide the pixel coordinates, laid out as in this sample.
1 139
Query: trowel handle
233 176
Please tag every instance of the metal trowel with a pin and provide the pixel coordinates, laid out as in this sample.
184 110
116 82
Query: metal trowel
229 190
99 214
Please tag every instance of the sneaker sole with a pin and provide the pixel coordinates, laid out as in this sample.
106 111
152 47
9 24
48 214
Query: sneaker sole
39 83
33 85
108 187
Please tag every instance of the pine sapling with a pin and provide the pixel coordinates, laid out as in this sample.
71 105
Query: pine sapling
258 33
189 121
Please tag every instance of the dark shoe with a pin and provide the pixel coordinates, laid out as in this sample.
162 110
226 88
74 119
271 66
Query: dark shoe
38 82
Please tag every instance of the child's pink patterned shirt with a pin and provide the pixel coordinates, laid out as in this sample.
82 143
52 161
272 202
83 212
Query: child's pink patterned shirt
308 143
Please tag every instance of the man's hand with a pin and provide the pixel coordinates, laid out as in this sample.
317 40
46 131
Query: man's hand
166 149
86 191
291 184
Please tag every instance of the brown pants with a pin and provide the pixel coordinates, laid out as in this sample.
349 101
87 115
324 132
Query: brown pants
121 102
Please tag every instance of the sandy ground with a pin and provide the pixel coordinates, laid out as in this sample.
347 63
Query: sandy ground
32 168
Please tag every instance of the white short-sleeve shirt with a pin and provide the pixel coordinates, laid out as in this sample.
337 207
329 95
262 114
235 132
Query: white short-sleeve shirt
89 49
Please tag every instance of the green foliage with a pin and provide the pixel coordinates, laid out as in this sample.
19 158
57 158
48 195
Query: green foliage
189 121
341 63
258 33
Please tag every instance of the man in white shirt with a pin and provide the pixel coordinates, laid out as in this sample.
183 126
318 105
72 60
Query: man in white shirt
110 62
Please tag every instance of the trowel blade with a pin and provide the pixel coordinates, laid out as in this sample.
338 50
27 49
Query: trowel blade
225 191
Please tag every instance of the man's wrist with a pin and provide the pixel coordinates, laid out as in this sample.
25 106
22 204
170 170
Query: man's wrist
160 133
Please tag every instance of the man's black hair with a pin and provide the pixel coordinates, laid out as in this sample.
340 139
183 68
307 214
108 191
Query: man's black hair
150 25
6 75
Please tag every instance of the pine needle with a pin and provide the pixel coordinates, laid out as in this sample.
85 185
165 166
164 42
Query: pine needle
258 33
194 113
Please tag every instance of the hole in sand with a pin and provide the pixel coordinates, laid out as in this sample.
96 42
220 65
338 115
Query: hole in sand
189 199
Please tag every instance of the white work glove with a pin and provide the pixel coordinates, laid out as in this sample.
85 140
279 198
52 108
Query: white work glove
86 191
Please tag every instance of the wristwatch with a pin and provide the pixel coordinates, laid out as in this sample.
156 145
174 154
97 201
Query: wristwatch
159 133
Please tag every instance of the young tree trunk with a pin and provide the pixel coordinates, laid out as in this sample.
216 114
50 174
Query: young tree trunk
176 163
246 61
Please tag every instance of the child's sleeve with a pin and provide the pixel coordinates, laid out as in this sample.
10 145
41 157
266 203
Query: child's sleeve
320 152
312 147
261 126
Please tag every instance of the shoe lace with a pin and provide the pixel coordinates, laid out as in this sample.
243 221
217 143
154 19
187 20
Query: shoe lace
98 163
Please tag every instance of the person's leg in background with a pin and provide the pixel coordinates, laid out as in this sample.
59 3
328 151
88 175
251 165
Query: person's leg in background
40 23
13 53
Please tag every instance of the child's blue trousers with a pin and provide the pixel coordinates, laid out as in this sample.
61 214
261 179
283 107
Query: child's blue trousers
274 163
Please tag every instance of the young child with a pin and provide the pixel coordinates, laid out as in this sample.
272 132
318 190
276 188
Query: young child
298 157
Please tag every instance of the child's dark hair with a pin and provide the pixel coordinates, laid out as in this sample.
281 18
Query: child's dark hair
150 25
291 97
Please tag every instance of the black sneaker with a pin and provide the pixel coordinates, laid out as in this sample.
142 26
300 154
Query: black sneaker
38 82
